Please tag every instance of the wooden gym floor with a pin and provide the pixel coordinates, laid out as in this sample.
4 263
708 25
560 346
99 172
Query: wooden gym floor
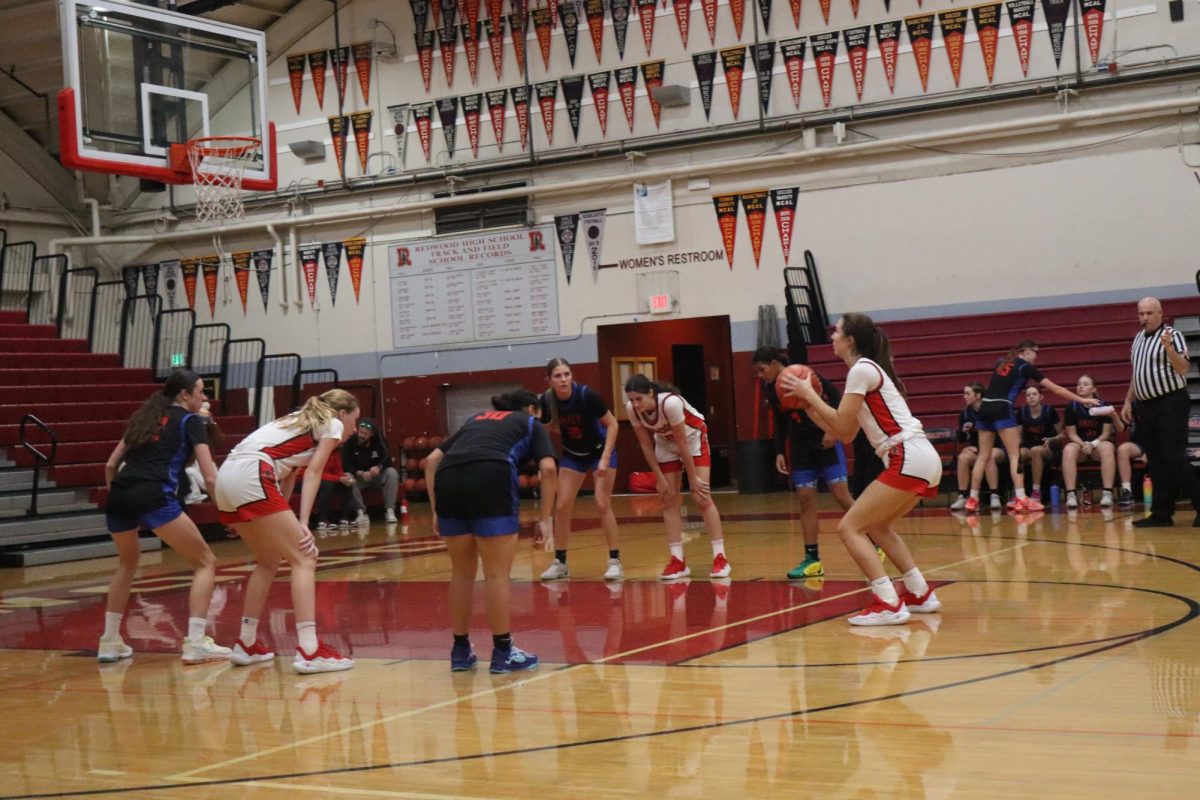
1065 663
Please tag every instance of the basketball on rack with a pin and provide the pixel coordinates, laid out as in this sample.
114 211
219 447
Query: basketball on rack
790 402
421 443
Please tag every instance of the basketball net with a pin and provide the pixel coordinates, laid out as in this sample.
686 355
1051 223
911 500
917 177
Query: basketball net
218 165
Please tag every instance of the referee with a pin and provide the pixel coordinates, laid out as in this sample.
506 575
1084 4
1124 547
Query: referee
1158 398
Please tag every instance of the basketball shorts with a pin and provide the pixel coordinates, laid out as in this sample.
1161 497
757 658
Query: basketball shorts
811 463
666 451
139 504
584 464
913 466
477 498
995 415
248 489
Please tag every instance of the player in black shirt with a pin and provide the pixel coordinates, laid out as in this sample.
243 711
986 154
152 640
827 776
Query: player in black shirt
143 475
1088 438
1041 436
472 480
589 440
814 454
968 452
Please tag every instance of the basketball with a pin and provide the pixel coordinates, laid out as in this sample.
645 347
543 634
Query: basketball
421 464
412 465
789 402
410 484
408 443
421 443
420 487
435 441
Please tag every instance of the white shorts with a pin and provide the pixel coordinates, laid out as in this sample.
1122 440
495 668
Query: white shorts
666 451
246 489
913 466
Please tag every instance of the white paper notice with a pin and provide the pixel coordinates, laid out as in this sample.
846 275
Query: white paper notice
653 213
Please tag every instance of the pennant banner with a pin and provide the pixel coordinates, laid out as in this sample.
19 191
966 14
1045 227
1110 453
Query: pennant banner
360 122
295 68
1056 12
570 25
333 267
317 61
824 50
1093 25
189 267
792 51
241 276
362 53
470 40
130 276
423 117
954 27
784 203
652 78
733 62
354 259
593 11
435 8
210 266
709 9
1020 15
887 34
825 9
150 282
755 205
857 41
727 213
645 9
495 36
795 4
472 105
572 88
987 26
547 94
170 278
495 10
520 101
920 37
448 47
764 66
620 20
566 227
400 128
683 18
471 11
309 255
764 11
516 27
497 100
420 12
626 87
339 128
424 45
449 17
598 82
738 9
447 109
705 65
339 61
541 27
262 271
593 236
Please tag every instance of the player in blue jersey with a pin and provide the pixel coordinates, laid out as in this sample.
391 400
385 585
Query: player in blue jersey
143 475
1041 436
1089 438
968 452
472 480
589 440
996 418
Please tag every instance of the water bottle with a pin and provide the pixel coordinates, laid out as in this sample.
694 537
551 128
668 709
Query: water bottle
1055 495
1147 491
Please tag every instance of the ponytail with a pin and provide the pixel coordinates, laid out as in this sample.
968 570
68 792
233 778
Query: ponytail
144 423
318 411
871 342
1011 355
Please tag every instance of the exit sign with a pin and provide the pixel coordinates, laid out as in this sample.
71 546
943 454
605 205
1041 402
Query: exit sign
178 359
660 303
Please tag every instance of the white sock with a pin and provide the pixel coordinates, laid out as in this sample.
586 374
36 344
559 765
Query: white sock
249 634
306 634
1021 493
718 546
885 591
196 628
677 550
1108 493
914 581
975 493
1126 487
112 623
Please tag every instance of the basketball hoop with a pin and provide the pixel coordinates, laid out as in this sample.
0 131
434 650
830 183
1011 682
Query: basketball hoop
218 165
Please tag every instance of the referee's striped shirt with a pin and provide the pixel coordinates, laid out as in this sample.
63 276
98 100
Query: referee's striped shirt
1153 375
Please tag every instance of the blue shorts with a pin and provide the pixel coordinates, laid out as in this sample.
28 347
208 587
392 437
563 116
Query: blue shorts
580 464
142 504
479 526
828 463
478 498
994 416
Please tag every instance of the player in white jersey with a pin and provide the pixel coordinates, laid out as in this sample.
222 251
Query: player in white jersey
873 401
253 487
680 443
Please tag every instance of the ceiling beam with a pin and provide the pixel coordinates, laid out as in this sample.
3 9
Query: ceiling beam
38 164
197 7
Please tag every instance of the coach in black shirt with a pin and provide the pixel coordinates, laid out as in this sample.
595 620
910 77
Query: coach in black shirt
1158 399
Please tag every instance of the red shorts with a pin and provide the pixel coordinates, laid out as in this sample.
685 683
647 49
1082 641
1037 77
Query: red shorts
702 460
247 489
913 467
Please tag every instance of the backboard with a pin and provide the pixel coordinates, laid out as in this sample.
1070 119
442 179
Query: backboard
140 82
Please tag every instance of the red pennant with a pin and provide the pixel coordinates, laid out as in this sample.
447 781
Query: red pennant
709 9
360 121
954 26
448 49
987 26
495 10
593 11
795 13
784 202
626 87
189 267
598 82
738 9
887 34
541 27
362 65
520 100
354 258
495 37
317 62
792 51
338 129
547 94
645 10
423 117
424 43
683 16
471 106
497 100
471 10
470 37
727 213
824 50
308 260
516 26
1020 14
755 205
854 7
920 36
340 61
733 62
1093 25
857 40
825 10
210 266
241 276
652 77
295 67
